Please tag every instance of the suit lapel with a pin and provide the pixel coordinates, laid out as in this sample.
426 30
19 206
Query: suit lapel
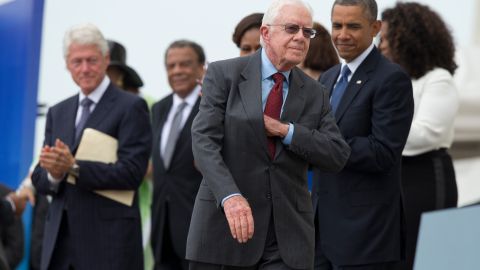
159 125
330 82
292 109
295 98
358 80
69 115
251 95
185 134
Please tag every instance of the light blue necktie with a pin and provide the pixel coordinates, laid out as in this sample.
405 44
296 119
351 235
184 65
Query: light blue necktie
339 89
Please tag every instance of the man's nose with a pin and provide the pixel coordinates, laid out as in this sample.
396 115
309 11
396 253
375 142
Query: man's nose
84 66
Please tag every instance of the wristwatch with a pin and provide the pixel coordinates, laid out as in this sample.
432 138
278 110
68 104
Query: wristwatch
74 170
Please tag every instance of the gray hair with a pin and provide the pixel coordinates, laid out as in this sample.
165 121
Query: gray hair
183 43
369 7
274 10
84 34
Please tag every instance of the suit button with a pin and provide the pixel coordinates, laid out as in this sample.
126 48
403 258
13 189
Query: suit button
269 195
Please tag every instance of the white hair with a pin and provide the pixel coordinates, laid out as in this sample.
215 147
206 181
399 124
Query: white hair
84 34
274 10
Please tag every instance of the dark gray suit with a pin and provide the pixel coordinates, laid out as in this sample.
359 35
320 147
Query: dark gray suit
103 233
230 148
174 189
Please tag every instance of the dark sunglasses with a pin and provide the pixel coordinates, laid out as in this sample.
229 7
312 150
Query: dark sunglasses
292 29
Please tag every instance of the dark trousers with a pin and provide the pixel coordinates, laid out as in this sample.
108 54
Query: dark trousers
428 183
270 259
63 253
322 263
169 259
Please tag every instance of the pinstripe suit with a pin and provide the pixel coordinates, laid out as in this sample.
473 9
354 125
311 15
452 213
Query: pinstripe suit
102 234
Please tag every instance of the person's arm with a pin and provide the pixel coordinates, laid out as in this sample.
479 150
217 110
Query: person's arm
13 242
207 144
320 144
6 212
207 137
392 112
436 112
42 180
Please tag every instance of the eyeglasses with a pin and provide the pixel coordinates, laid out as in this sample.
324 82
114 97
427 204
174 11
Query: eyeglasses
292 29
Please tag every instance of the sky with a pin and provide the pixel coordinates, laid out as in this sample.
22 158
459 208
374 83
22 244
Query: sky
147 27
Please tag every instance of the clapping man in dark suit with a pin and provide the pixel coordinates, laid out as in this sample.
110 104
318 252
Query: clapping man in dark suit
359 212
176 180
261 122
84 230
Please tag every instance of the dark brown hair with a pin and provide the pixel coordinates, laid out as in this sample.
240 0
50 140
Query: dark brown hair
251 21
421 42
321 55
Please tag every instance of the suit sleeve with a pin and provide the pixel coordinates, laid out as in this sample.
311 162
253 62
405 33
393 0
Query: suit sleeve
12 239
6 213
39 175
134 146
392 112
324 146
207 136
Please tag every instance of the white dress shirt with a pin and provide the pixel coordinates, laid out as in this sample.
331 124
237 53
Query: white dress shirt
94 96
436 104
191 99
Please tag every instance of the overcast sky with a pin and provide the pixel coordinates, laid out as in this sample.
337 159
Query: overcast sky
146 27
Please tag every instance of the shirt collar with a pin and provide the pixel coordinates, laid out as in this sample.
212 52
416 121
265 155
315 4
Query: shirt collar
190 99
353 65
268 69
97 94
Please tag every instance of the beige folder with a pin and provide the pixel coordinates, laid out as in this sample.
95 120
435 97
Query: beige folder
101 147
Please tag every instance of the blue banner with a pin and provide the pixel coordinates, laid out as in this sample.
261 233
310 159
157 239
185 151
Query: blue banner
20 38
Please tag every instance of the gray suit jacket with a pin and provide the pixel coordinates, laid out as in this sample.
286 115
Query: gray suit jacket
230 149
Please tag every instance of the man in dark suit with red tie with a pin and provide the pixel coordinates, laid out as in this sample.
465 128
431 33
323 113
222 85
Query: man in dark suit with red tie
84 230
175 178
261 122
359 213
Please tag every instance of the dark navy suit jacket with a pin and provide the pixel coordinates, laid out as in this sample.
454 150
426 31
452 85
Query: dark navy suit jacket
359 210
176 186
105 233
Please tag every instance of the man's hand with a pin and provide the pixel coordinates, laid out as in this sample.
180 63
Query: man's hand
239 217
27 194
19 202
57 160
274 128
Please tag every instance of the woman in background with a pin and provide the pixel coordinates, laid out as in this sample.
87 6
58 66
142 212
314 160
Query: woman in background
247 34
321 54
423 46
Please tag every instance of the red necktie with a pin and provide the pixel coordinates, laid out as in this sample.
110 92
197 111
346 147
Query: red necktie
274 106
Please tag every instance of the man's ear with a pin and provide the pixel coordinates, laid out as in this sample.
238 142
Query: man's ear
376 26
265 32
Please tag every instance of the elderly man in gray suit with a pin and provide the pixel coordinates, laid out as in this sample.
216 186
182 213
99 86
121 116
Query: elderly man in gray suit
261 122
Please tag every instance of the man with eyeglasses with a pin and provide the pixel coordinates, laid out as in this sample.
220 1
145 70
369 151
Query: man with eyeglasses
84 230
261 122
359 214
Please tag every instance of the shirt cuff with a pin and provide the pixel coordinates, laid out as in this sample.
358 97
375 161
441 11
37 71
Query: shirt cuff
229 196
288 139
54 183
